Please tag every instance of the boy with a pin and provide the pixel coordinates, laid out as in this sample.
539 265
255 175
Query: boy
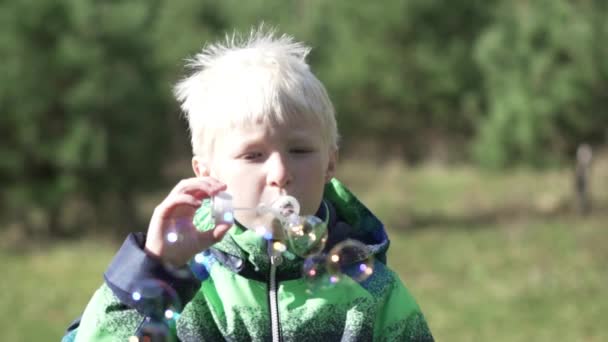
262 126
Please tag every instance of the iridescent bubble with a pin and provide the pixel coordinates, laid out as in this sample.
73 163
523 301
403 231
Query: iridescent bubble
228 217
172 237
170 314
351 258
315 273
264 232
286 206
199 258
153 331
279 246
154 297
222 210
306 235
313 267
198 266
178 225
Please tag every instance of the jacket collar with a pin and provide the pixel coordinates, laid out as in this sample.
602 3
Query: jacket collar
244 252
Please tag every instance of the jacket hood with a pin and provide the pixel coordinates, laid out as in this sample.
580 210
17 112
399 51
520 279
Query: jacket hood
245 252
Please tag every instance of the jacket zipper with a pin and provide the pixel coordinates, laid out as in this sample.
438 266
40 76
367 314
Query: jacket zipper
275 260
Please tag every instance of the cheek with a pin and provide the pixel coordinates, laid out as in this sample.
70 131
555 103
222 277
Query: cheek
312 185
244 184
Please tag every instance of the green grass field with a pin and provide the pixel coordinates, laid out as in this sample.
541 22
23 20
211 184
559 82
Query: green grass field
489 257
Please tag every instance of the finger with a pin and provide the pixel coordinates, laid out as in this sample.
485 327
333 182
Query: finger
199 187
220 230
170 203
210 237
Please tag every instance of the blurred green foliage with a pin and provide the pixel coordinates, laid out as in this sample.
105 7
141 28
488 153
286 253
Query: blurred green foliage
84 114
88 119
545 78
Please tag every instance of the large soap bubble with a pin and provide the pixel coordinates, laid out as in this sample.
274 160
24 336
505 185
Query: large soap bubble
349 258
306 235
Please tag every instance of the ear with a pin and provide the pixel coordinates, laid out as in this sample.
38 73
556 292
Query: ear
331 165
200 167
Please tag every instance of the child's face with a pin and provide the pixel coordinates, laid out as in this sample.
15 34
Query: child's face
259 163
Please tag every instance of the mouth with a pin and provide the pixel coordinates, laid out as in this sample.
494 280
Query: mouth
286 206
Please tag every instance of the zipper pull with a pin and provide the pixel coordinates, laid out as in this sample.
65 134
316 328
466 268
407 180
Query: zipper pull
274 253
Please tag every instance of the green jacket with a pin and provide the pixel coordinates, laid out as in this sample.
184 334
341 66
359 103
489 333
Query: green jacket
234 292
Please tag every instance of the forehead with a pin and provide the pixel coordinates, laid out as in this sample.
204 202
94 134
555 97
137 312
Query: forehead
265 132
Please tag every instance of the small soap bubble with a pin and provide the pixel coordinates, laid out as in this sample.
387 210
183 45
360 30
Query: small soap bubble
153 331
228 217
315 273
178 225
264 232
222 210
279 246
169 314
172 237
351 258
313 266
154 297
199 258
286 206
306 235
198 267
260 230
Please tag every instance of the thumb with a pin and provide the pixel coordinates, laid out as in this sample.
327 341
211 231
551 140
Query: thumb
219 231
207 238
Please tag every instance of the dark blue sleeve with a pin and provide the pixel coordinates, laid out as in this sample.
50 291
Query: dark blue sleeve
132 265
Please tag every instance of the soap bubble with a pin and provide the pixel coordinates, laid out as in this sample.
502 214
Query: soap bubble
221 208
172 237
198 265
306 235
263 219
154 297
279 247
350 258
264 232
152 331
267 226
315 273
286 206
177 226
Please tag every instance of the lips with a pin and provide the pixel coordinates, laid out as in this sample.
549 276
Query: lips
286 206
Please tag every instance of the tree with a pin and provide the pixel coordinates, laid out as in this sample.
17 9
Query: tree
83 115
544 66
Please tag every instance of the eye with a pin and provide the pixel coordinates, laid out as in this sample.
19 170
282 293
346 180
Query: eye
251 155
301 150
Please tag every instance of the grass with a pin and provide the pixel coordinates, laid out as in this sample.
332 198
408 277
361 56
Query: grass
543 281
488 256
47 287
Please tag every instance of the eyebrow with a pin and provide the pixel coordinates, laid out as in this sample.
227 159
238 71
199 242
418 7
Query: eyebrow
300 135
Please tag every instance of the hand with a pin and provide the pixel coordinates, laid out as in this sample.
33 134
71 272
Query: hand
174 215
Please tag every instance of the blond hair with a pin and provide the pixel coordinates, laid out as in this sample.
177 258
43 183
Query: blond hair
261 78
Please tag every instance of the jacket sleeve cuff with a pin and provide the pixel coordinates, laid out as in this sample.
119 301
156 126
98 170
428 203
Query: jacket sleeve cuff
132 267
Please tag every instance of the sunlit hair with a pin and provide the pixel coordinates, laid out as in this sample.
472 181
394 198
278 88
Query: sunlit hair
258 79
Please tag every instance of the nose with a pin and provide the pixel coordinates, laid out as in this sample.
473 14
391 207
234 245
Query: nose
278 171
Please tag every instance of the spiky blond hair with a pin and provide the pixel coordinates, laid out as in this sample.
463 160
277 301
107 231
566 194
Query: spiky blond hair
260 78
